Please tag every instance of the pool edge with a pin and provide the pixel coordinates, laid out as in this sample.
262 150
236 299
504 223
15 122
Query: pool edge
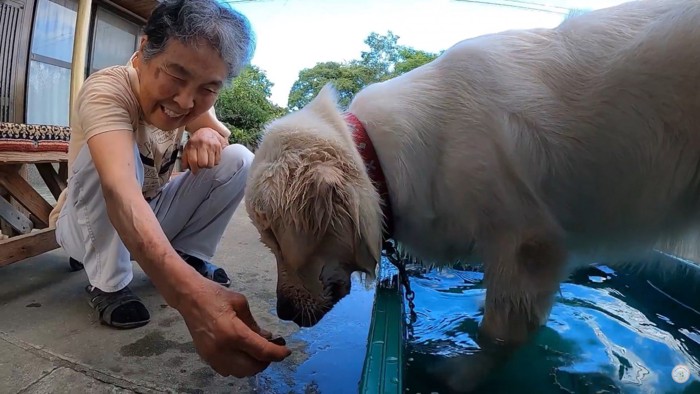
382 371
383 368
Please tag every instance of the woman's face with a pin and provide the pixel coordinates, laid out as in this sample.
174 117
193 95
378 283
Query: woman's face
179 84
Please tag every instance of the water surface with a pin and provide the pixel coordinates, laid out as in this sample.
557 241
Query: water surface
335 349
609 332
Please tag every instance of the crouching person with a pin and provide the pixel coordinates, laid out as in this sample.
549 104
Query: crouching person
121 204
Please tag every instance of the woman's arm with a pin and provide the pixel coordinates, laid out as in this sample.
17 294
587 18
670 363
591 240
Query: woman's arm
133 218
209 120
223 330
208 137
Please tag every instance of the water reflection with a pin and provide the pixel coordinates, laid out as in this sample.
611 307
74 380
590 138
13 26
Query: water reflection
610 331
335 350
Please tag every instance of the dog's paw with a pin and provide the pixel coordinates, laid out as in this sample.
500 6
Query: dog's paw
464 374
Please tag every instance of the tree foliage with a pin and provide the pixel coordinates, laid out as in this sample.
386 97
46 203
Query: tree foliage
574 12
384 59
383 54
347 78
245 106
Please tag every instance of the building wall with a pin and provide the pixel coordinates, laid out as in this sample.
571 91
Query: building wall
35 81
15 27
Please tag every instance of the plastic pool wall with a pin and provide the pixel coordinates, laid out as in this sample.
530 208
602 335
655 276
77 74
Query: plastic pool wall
674 292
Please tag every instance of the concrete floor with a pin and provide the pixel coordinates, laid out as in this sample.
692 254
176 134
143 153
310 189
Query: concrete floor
52 342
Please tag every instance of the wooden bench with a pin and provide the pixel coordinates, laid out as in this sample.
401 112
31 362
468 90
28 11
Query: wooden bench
24 212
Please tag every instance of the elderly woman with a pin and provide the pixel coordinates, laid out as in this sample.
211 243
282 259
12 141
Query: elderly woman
120 203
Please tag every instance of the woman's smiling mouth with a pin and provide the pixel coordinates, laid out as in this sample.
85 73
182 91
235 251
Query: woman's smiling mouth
170 113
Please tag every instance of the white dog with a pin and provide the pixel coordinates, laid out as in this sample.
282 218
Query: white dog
531 151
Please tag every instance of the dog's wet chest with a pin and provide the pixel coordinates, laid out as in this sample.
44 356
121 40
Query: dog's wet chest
434 240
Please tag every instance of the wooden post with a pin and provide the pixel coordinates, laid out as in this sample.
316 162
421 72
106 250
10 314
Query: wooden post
80 43
5 228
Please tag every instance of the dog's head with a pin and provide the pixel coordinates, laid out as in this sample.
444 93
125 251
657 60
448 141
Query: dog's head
312 202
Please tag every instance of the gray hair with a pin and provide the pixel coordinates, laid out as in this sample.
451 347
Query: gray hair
189 21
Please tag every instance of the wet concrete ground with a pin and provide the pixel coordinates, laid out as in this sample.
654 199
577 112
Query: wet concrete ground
52 342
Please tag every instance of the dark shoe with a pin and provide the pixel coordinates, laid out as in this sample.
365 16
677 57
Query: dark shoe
207 270
120 309
75 265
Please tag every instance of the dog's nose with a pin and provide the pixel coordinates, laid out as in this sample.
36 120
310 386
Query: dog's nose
286 309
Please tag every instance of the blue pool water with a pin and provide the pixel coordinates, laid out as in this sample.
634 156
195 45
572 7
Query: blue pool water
609 332
335 350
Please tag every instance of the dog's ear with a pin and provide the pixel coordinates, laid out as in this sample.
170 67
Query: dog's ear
326 99
315 190
368 251
265 195
329 196
368 238
325 196
326 106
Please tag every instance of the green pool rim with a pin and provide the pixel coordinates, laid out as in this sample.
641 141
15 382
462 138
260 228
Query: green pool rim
384 363
383 368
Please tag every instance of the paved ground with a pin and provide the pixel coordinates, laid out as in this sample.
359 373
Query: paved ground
51 341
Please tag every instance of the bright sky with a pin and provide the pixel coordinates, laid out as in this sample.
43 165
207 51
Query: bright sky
297 34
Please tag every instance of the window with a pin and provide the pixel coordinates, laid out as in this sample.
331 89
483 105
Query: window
115 40
48 87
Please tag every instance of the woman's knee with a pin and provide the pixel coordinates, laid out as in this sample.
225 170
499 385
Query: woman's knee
236 159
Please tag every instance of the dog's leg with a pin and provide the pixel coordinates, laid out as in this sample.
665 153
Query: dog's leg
522 275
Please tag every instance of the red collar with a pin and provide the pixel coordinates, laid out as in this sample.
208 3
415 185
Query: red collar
374 169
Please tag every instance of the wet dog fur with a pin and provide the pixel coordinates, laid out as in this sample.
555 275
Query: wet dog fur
531 151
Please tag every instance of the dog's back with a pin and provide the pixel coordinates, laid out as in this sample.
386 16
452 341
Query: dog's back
598 118
511 149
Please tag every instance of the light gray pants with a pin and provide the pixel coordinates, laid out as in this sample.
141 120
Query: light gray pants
192 210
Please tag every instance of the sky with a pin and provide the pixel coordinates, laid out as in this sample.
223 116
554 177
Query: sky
297 34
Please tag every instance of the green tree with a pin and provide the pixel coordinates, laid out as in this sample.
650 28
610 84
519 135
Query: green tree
245 106
384 59
347 78
574 12
383 54
410 58
387 59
